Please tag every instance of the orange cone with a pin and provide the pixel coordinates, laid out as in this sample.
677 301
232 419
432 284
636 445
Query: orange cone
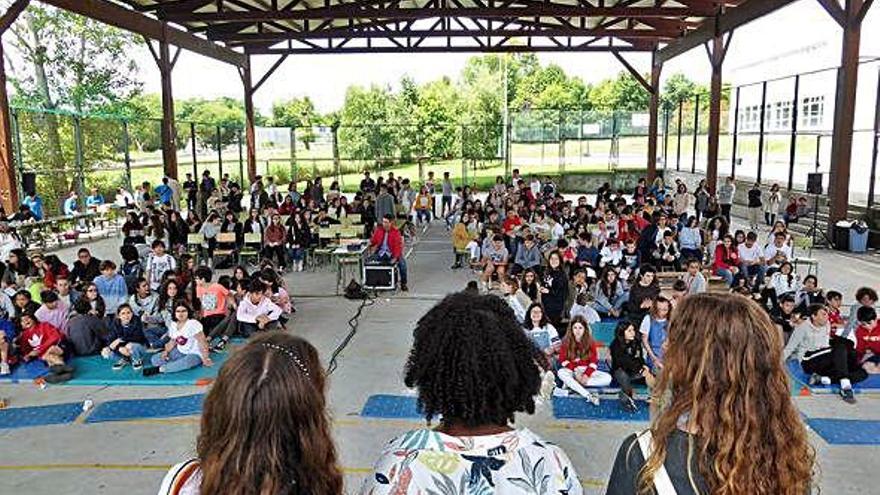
805 392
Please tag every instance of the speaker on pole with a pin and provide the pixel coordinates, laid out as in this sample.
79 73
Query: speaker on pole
29 182
814 183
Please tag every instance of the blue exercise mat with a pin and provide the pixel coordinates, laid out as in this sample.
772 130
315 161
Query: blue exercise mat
603 332
122 410
607 410
94 370
22 417
871 385
391 406
26 372
846 431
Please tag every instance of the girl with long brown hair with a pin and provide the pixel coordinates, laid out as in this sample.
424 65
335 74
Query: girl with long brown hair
579 361
725 422
265 428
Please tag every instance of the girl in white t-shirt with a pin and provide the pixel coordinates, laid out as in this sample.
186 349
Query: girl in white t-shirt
186 348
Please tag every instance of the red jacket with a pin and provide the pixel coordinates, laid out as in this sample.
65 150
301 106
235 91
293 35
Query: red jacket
591 362
395 241
723 259
867 339
39 337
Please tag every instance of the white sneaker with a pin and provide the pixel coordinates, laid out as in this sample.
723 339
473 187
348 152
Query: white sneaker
4 369
824 380
592 399
560 392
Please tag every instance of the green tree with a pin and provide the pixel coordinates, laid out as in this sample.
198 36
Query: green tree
623 93
363 134
298 113
65 62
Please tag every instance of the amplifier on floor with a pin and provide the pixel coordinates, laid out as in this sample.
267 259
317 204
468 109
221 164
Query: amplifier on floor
380 277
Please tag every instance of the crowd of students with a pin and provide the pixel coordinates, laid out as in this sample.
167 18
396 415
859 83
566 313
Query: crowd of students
266 428
563 264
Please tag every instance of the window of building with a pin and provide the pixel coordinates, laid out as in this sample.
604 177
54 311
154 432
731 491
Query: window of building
813 111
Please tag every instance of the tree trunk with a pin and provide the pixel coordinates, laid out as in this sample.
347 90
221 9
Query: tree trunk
57 181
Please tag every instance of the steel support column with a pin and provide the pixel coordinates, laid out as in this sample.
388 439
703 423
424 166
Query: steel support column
678 150
653 122
795 115
192 140
696 134
219 154
126 144
844 113
735 134
761 130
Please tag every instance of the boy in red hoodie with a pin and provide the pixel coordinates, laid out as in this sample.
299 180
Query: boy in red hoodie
868 339
40 340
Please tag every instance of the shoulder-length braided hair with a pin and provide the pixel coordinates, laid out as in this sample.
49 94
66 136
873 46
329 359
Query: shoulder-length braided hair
265 428
723 372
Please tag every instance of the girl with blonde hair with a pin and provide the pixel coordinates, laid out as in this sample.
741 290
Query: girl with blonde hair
725 421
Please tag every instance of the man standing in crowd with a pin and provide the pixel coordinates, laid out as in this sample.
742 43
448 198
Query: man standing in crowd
386 247
726 193
207 187
191 188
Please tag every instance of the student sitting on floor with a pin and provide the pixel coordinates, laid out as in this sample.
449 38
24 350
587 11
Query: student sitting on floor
868 339
827 358
256 312
126 341
579 361
515 298
810 293
85 330
693 278
542 332
785 318
187 347
8 335
834 301
53 311
628 363
212 296
865 296
158 263
495 260
582 308
112 288
40 340
609 295
527 256
653 332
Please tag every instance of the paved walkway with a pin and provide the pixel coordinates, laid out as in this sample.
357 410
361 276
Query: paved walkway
131 457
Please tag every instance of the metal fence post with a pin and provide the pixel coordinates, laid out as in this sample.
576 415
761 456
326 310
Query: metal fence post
561 143
665 138
240 157
16 142
335 146
192 140
219 155
293 154
678 150
761 132
792 152
126 144
696 134
735 133
78 149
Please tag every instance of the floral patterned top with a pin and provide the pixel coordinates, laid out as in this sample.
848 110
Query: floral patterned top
426 462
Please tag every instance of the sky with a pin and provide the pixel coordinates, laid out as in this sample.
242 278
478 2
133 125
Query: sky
324 78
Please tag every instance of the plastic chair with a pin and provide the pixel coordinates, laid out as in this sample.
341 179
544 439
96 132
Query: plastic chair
194 246
253 244
225 244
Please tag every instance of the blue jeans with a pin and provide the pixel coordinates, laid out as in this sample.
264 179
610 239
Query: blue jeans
137 352
177 361
727 275
156 337
616 304
757 271
297 254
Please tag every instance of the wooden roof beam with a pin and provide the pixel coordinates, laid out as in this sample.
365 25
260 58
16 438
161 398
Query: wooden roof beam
129 20
730 20
346 11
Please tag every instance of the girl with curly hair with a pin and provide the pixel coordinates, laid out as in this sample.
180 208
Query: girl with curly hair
475 369
725 423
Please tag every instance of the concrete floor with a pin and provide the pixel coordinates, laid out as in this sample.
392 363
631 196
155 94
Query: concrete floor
131 457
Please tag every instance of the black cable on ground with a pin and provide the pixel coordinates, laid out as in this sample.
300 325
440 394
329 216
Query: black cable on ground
353 325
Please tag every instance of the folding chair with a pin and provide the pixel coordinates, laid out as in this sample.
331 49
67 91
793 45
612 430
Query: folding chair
225 245
194 246
804 243
253 244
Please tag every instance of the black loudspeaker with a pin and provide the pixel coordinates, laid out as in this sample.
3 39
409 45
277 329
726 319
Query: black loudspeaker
29 182
380 277
814 183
